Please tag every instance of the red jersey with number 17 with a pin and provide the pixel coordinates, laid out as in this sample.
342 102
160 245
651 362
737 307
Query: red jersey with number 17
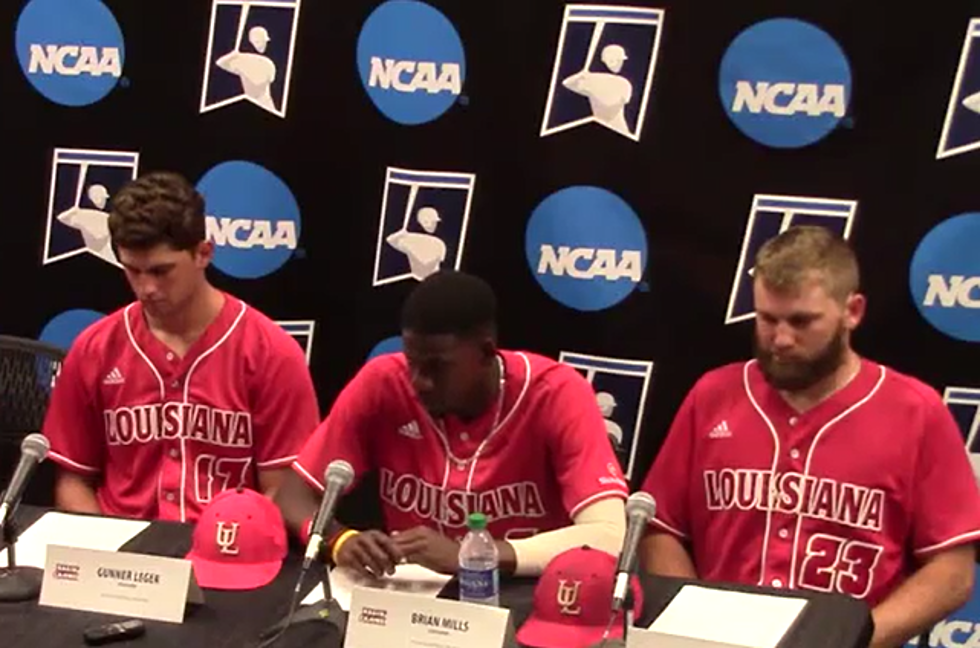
546 458
845 497
164 435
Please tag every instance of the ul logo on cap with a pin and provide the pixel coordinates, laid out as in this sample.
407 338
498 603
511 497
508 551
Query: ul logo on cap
227 537
568 597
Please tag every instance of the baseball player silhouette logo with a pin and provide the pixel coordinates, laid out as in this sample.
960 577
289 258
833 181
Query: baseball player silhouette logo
82 183
964 404
250 54
603 69
621 391
302 332
424 217
961 128
771 215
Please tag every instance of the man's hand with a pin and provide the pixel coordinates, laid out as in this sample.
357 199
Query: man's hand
369 553
429 548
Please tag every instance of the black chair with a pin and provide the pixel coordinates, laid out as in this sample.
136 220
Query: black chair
28 369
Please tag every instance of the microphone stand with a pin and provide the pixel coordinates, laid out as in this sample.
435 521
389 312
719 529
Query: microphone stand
17 583
327 612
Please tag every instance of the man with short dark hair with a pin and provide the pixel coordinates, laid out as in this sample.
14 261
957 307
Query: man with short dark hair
188 391
456 425
812 467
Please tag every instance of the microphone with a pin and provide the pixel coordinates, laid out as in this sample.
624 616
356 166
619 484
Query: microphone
640 507
33 450
338 476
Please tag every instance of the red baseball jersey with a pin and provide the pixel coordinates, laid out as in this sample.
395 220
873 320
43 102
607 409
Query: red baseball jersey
545 460
168 434
842 498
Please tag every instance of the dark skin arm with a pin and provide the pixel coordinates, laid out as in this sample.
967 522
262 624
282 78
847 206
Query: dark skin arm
374 552
427 547
369 552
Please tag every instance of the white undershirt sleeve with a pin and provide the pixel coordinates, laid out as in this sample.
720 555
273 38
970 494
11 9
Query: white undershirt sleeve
601 525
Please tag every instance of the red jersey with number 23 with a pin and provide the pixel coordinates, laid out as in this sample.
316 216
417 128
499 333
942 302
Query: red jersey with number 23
842 498
164 435
546 459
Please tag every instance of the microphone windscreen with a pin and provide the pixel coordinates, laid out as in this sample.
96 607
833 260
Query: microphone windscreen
35 445
339 471
640 503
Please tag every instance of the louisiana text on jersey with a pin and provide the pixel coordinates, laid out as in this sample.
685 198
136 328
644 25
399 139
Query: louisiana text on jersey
603 68
771 215
82 184
422 229
250 54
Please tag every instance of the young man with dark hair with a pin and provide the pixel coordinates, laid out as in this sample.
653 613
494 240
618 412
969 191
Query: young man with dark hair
456 425
182 394
812 467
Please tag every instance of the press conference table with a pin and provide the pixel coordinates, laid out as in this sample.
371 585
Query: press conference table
235 619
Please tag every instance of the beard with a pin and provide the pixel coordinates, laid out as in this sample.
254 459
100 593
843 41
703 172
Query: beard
797 374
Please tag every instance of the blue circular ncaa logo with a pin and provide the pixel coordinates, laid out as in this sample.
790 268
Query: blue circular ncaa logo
785 83
944 277
411 61
252 218
71 51
586 247
62 329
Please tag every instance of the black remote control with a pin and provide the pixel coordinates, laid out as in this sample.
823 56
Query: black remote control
111 632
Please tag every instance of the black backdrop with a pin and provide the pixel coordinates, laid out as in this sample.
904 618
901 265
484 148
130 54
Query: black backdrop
691 178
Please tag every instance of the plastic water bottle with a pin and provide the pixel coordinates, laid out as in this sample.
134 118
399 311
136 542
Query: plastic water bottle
479 573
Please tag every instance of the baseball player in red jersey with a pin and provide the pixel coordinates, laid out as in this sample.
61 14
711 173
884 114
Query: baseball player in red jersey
182 394
813 467
454 426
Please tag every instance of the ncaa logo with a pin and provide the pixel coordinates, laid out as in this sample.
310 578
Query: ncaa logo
771 216
411 61
388 345
961 129
250 54
71 51
603 69
82 184
302 332
621 393
424 216
586 247
945 277
964 405
62 329
252 218
785 83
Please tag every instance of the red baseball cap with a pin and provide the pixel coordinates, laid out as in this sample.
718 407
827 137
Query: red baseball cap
239 541
573 601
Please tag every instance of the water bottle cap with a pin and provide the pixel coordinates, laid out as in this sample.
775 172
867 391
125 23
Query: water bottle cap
477 521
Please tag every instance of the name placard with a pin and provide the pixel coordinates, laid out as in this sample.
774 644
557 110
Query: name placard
386 618
111 582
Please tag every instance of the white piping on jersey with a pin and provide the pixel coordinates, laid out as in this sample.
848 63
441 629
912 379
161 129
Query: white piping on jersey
479 450
949 541
187 386
772 468
806 468
809 457
73 464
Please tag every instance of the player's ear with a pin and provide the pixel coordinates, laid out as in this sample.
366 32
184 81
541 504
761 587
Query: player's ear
854 309
204 253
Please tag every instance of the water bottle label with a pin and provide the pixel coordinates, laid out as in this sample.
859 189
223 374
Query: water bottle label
478 584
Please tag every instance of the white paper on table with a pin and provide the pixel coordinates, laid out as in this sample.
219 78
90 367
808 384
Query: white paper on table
413 579
736 618
82 531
